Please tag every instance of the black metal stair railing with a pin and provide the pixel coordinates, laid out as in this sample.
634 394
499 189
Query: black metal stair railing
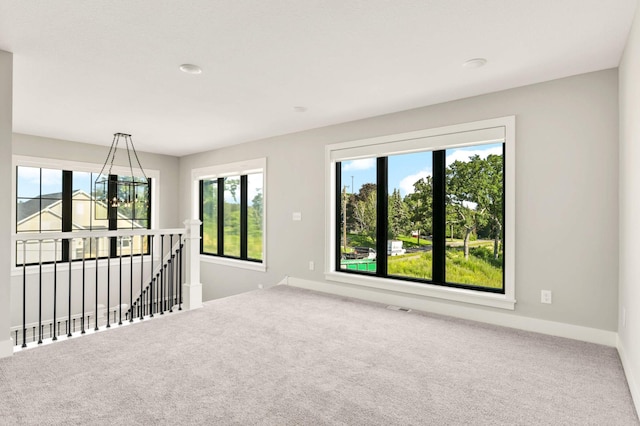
160 290
163 290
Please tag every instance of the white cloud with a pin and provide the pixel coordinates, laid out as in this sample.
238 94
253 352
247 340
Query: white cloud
406 184
464 154
364 164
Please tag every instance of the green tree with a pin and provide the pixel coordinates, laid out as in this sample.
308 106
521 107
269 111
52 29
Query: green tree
490 197
398 215
365 213
475 199
464 181
419 205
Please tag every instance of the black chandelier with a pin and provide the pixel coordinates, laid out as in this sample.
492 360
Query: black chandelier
116 192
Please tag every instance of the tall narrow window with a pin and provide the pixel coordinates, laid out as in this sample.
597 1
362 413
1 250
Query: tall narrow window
358 215
254 216
231 216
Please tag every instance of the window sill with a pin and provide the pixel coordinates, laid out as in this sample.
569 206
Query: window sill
234 263
427 290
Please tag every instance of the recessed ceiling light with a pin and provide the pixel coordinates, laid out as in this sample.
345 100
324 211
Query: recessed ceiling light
299 109
190 69
475 63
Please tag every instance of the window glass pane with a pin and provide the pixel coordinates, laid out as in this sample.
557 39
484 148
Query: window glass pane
28 182
82 182
93 246
232 216
80 212
125 199
475 222
254 216
210 216
358 215
51 184
99 192
410 213
77 248
50 221
141 202
133 245
35 251
28 215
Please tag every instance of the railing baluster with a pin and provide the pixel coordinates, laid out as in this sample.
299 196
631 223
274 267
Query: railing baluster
55 284
151 278
84 245
131 279
161 275
108 290
171 273
141 278
40 292
180 274
69 306
97 270
24 293
120 296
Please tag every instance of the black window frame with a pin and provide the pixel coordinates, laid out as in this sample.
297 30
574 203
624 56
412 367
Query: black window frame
67 216
438 225
244 228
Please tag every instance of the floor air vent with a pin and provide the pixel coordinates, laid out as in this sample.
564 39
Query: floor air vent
398 308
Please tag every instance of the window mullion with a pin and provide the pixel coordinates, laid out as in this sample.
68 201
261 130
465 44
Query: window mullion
382 216
67 210
243 216
112 190
201 215
341 216
220 188
439 216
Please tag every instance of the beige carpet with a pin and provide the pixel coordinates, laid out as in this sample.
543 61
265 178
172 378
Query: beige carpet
288 356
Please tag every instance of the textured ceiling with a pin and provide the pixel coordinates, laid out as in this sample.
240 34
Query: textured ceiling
86 69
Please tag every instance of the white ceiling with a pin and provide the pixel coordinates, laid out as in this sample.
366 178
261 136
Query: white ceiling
84 70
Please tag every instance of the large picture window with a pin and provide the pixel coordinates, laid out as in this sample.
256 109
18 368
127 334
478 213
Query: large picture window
432 207
232 216
441 211
50 200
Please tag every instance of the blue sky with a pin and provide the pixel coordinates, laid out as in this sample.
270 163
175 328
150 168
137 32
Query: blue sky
406 169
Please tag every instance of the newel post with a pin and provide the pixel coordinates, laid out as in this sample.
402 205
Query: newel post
192 286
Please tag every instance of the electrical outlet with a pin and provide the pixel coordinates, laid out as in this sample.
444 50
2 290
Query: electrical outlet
312 265
260 286
545 296
296 216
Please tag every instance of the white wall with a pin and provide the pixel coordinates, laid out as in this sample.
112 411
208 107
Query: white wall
629 318
6 105
566 206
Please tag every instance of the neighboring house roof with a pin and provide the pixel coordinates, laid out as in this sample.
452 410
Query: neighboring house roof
28 208
34 206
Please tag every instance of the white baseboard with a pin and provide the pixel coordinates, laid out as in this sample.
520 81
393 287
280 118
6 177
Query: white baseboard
631 375
587 334
6 348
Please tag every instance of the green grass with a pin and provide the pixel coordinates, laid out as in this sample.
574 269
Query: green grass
409 241
479 270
